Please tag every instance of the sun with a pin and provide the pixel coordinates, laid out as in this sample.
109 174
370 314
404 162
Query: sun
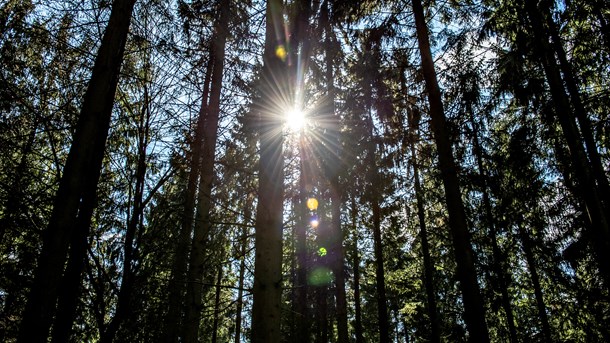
295 119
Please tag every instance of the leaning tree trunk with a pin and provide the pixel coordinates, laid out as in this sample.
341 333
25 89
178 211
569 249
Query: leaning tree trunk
80 176
267 290
474 315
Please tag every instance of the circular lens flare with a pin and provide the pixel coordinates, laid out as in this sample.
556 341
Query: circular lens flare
312 204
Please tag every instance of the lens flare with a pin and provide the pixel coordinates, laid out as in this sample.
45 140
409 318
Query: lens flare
280 52
312 204
314 223
320 276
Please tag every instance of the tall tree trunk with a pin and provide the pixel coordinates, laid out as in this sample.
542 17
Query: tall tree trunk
435 328
374 198
267 290
242 269
322 314
336 246
302 288
177 285
474 315
382 307
203 224
357 301
585 176
217 305
78 184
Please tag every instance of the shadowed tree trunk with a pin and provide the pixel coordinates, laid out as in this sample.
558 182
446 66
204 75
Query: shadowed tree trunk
357 301
242 269
267 290
333 168
203 224
177 285
474 315
124 306
435 328
75 197
217 305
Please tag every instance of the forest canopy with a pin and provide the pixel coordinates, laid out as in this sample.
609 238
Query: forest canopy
304 171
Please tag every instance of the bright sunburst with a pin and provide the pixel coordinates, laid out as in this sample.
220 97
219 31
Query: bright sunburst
295 119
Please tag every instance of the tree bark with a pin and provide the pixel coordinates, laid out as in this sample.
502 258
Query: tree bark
80 176
474 315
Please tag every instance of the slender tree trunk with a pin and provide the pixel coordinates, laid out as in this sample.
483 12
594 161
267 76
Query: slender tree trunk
526 242
581 167
357 302
302 288
124 306
338 266
203 223
217 305
435 328
336 247
177 285
322 317
267 290
242 270
474 315
374 198
80 176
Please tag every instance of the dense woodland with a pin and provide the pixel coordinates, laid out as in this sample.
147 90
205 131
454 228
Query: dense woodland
304 171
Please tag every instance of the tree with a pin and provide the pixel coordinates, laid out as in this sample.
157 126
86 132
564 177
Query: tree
75 198
267 290
474 315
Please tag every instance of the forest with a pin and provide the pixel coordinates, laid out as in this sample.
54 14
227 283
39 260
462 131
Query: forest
304 171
